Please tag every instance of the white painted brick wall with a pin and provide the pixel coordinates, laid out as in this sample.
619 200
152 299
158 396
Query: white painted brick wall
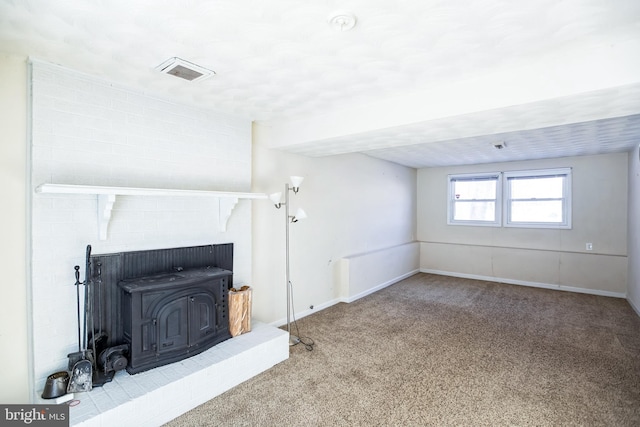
88 131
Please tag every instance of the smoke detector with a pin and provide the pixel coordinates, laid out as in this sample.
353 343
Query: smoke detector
342 20
184 69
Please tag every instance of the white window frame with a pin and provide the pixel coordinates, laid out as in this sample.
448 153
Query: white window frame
451 200
540 173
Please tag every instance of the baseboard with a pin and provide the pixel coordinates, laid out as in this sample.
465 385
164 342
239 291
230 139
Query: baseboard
635 307
526 283
378 287
307 312
299 315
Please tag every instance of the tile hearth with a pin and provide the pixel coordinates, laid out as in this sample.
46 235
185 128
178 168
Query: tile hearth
157 396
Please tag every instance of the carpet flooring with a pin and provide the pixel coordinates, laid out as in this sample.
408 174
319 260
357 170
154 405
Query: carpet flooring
441 351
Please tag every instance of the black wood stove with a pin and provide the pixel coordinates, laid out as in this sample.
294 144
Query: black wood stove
168 317
160 306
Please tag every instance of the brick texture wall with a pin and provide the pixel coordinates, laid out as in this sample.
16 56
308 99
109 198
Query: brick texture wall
88 131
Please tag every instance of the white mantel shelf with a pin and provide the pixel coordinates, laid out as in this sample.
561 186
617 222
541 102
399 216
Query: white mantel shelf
227 200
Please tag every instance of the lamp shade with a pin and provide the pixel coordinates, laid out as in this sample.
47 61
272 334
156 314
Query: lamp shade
300 214
296 181
275 197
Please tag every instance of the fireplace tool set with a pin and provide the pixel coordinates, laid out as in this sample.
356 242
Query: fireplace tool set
94 364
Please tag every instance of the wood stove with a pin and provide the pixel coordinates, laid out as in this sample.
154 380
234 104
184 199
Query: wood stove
168 317
162 305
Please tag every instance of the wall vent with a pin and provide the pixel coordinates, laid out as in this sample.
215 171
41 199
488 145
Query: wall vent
184 69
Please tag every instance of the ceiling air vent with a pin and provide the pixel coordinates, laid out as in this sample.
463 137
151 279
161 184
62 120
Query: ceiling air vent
184 69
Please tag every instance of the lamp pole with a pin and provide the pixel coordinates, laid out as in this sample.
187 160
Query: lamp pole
293 340
300 214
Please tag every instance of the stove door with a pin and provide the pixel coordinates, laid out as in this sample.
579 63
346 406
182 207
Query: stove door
202 318
172 321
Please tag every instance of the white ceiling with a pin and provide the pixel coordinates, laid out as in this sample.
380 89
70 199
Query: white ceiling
279 62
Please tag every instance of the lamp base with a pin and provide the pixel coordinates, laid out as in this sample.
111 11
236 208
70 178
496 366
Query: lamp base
293 340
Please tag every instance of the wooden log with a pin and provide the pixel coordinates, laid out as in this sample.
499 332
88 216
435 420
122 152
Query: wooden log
240 311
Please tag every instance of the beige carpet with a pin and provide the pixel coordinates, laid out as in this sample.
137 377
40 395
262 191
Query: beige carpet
434 350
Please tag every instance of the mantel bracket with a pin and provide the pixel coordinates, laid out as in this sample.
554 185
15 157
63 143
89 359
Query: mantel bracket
105 206
225 207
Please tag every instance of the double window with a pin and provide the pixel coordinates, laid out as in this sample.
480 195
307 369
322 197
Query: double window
535 199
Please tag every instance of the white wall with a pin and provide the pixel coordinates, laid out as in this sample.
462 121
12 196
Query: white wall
542 257
355 204
88 131
633 293
14 357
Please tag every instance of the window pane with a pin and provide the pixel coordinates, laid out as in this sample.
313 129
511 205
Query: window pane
470 190
537 211
474 211
537 188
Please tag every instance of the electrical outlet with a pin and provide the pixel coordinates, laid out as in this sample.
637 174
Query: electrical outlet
589 246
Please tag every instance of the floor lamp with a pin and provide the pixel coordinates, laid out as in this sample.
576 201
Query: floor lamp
300 214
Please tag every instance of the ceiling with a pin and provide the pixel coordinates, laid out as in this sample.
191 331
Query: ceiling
418 82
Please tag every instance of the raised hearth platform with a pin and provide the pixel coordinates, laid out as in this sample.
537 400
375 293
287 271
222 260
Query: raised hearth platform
157 396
